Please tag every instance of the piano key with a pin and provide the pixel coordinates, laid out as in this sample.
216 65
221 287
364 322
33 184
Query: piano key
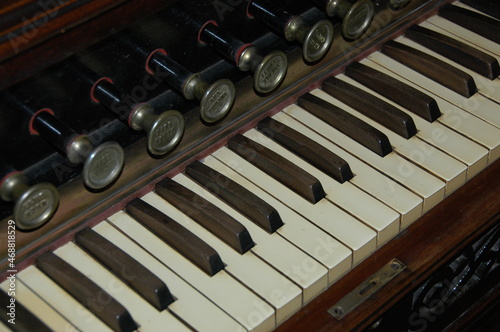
486 87
113 313
458 30
148 317
23 319
473 21
38 307
434 27
211 217
190 306
279 168
455 50
297 230
307 149
351 126
452 116
414 149
127 269
487 7
62 302
248 268
440 72
238 301
406 203
412 99
427 186
447 140
367 209
285 257
336 222
237 196
177 236
388 116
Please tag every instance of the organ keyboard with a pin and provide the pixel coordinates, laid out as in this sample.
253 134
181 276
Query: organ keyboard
265 219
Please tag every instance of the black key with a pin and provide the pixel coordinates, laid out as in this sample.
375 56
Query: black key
307 149
489 7
371 106
85 291
177 236
21 319
278 167
366 135
206 214
435 69
406 96
237 196
468 56
127 269
482 25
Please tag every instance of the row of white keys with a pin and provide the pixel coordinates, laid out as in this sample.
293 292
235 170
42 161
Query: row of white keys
296 265
463 33
321 246
367 209
425 185
248 268
454 117
478 104
38 307
448 169
336 222
402 200
248 309
430 26
60 300
190 306
468 152
145 315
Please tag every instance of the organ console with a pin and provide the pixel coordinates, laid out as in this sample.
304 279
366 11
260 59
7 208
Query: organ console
249 165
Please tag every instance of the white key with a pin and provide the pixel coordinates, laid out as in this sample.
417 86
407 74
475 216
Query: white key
370 211
227 293
248 268
365 177
433 27
39 307
4 327
442 137
478 104
430 188
190 306
461 32
61 301
452 116
348 230
297 230
145 315
419 152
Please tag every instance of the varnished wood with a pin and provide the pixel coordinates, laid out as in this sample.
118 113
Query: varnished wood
378 110
408 97
177 236
455 50
127 269
456 222
243 200
278 167
435 69
366 135
307 149
473 21
206 214
86 292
